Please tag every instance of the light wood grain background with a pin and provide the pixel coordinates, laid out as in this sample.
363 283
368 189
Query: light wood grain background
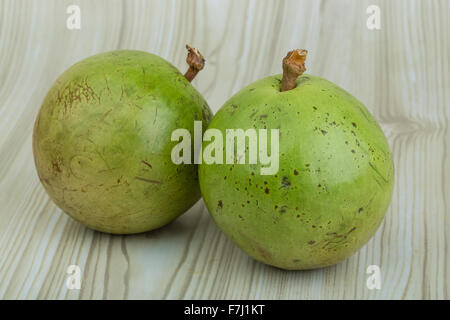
401 73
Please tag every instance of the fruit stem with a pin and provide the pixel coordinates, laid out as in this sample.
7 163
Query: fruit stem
293 67
195 61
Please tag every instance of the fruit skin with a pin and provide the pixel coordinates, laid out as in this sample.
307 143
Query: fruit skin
102 141
334 183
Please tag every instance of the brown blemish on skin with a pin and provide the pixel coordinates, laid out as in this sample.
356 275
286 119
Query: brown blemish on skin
139 107
360 210
266 190
378 172
147 164
156 115
105 115
220 204
107 170
285 183
323 131
148 180
341 237
70 95
296 172
56 166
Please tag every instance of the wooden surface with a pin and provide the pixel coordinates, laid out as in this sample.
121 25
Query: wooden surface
401 73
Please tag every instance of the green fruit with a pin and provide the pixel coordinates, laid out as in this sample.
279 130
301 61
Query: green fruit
334 182
102 141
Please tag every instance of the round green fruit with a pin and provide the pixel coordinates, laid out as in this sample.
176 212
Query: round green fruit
102 140
335 177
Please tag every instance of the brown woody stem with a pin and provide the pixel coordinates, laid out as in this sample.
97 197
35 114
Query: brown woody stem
293 67
195 61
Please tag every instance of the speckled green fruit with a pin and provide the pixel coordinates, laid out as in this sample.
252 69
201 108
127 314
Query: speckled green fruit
334 182
102 142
